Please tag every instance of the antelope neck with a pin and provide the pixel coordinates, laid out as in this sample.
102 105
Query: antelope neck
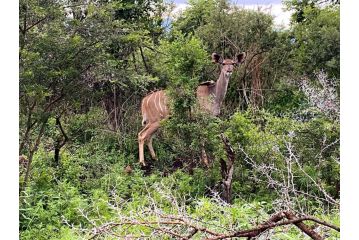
221 89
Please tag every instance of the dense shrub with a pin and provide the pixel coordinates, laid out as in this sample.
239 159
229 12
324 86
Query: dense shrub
268 146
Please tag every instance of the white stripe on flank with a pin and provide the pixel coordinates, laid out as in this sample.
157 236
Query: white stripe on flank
165 105
156 101
159 102
148 99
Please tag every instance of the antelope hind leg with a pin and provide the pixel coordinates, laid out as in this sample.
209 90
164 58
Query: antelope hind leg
146 135
141 142
150 147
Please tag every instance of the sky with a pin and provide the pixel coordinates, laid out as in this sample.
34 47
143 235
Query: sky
273 7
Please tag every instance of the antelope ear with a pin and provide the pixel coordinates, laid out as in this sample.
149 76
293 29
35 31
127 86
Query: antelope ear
216 58
240 57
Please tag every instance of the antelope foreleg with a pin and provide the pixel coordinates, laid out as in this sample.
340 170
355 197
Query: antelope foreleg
141 142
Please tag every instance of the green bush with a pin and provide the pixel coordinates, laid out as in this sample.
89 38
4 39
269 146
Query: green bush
267 140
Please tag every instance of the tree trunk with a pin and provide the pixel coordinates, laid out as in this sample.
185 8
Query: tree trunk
227 169
29 125
32 151
59 144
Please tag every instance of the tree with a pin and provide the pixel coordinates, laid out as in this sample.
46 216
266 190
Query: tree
59 54
229 30
316 42
300 6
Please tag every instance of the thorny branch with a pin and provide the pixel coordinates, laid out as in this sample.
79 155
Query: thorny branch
285 187
293 156
154 223
162 224
325 97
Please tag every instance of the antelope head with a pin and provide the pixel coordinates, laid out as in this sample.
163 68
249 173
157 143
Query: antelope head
228 65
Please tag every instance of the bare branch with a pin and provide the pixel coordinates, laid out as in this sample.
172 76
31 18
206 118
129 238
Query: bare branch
292 155
272 222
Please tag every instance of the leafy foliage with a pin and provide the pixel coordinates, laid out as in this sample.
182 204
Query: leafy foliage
322 27
84 68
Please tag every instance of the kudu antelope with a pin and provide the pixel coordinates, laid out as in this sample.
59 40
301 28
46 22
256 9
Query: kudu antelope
210 95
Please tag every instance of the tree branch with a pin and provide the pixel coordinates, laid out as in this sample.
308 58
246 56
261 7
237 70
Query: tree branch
36 23
144 60
272 222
